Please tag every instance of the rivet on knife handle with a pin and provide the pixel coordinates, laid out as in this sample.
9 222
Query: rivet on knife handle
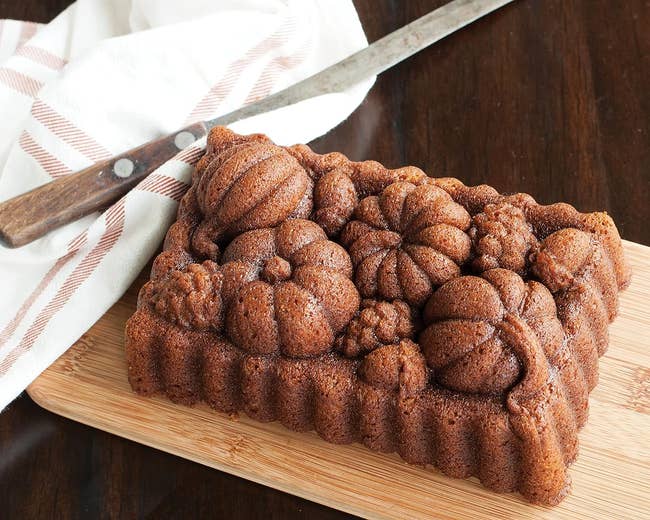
33 214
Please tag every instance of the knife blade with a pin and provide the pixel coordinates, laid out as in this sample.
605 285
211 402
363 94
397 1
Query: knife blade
33 214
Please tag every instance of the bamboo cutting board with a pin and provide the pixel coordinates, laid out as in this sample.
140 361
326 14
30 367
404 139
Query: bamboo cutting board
611 478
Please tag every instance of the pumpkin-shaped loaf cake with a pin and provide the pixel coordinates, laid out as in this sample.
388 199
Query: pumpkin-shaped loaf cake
407 241
474 347
250 184
287 289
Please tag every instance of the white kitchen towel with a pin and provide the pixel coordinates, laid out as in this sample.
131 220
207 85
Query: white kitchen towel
107 75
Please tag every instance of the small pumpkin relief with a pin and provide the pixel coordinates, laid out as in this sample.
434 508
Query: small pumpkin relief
406 242
251 185
483 333
287 289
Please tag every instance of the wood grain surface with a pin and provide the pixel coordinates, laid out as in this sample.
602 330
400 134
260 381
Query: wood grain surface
610 478
546 96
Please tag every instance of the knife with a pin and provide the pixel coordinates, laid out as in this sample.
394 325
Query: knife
33 214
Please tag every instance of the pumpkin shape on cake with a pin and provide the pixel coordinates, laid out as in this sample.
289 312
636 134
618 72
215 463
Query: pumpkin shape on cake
287 289
407 241
570 258
339 189
484 333
251 184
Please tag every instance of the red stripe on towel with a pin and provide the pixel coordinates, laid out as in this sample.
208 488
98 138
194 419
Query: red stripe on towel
20 82
190 155
162 185
41 56
11 327
48 162
211 101
114 229
27 30
271 73
68 132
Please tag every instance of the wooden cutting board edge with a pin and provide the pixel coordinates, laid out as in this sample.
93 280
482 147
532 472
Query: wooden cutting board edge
56 407
111 406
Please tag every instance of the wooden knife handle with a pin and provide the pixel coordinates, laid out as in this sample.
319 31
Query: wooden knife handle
33 214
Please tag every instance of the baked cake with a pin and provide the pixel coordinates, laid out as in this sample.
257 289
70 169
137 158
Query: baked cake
454 325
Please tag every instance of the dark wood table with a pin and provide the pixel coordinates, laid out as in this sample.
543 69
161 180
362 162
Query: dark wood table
549 97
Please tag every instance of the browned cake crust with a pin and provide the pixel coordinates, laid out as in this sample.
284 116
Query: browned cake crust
452 324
